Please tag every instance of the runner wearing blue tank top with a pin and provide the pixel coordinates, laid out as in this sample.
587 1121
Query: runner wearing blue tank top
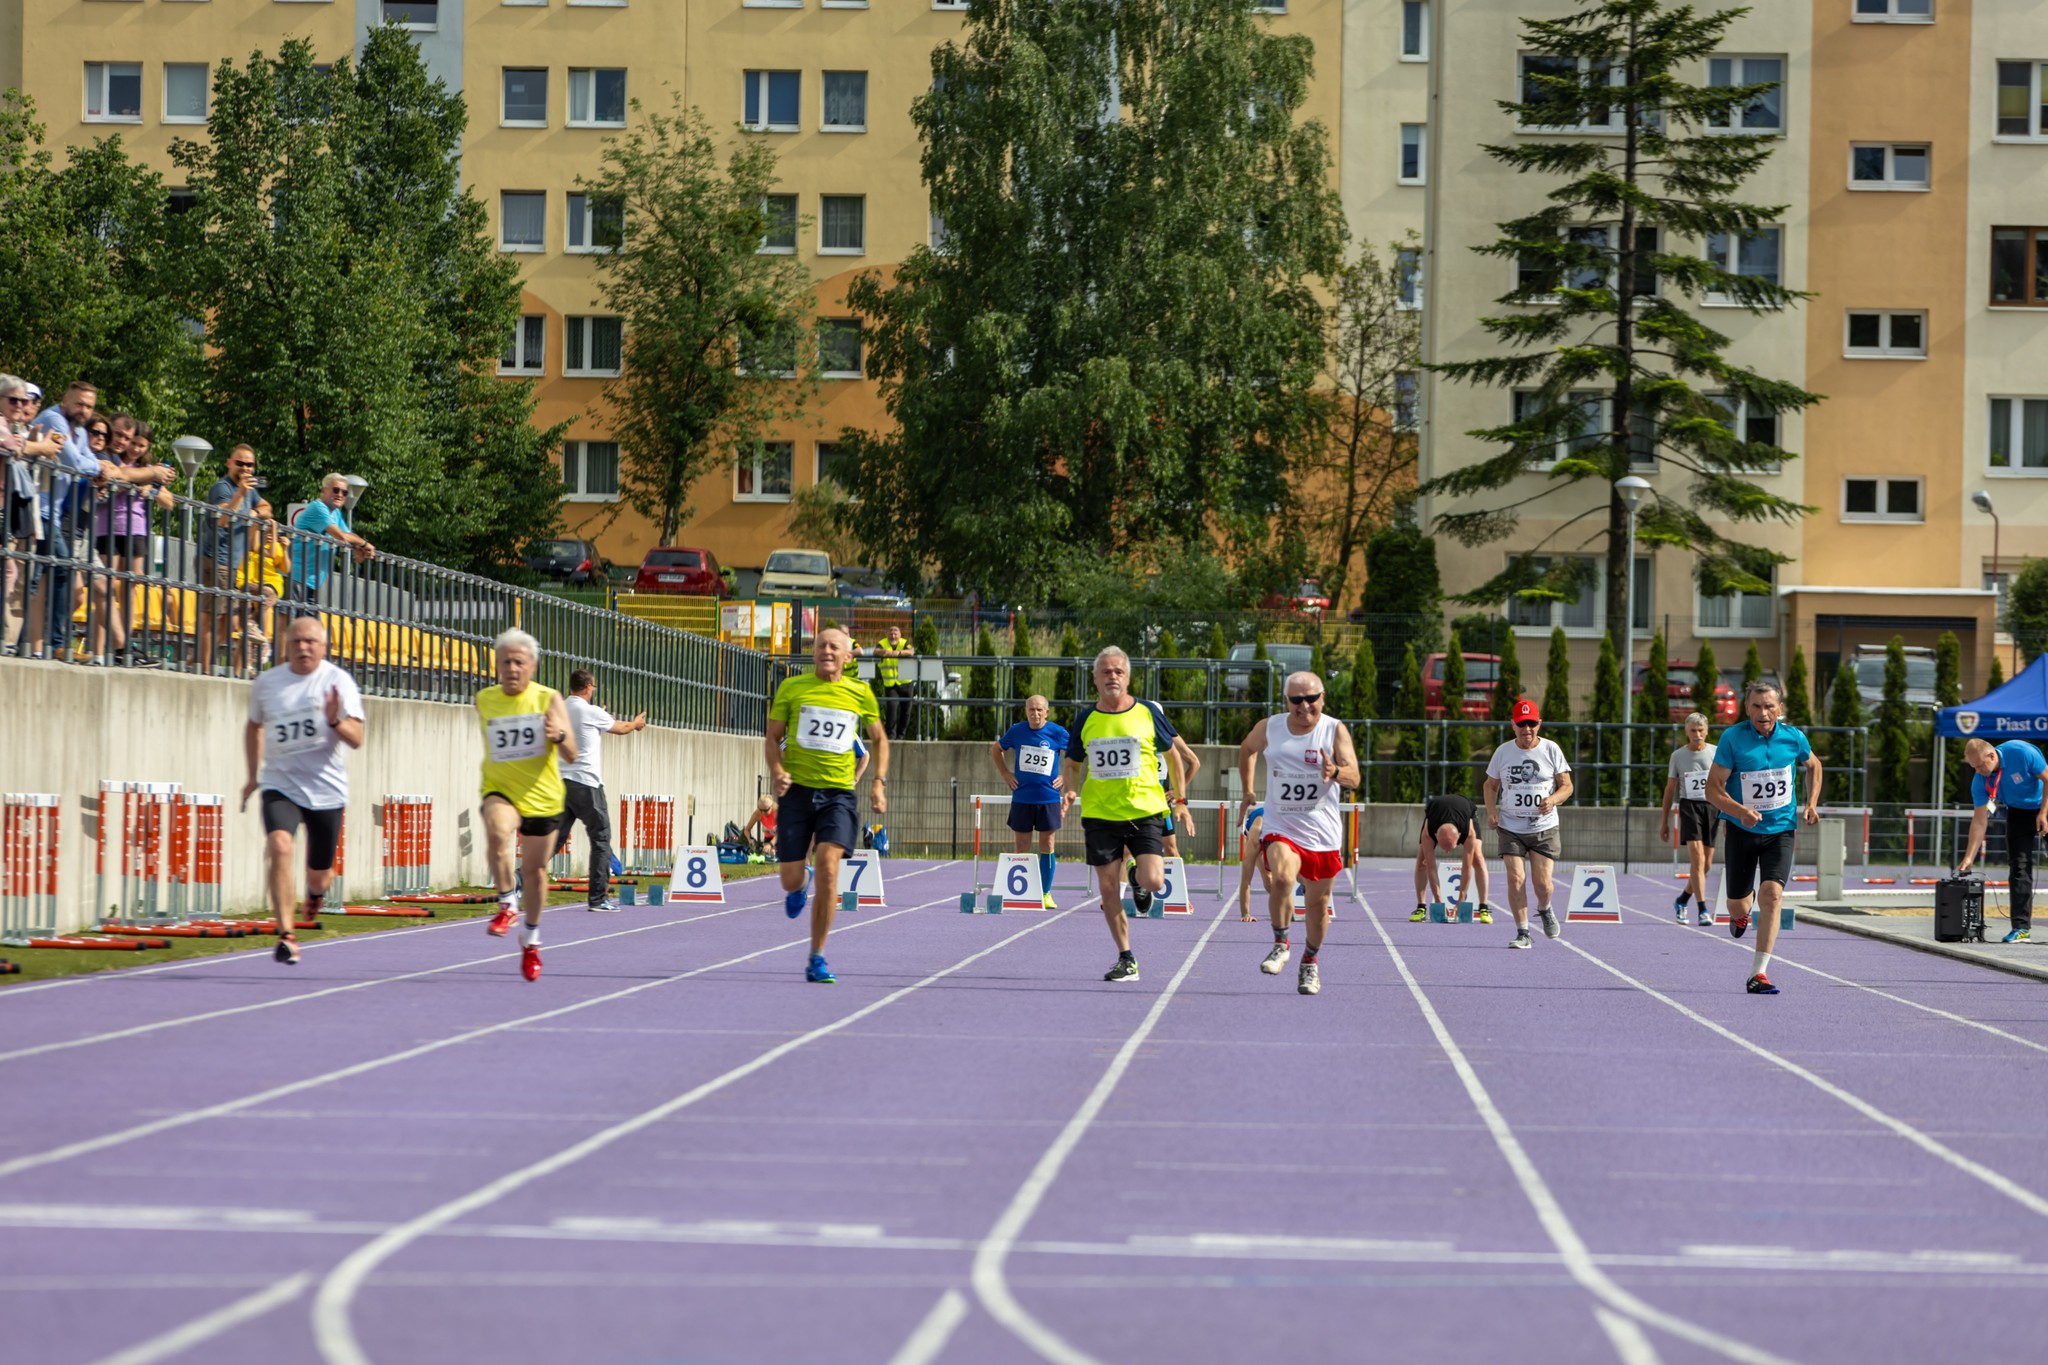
1761 756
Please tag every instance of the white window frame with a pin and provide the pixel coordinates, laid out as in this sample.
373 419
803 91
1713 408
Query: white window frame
527 248
1891 184
105 70
1891 14
1604 420
434 27
574 366
740 365
956 5
860 250
818 449
505 120
1615 124
1737 604
795 227
595 4
1419 8
579 451
2037 124
1739 75
2015 429
1584 231
1407 413
1884 484
1410 284
754 460
1414 135
762 75
205 92
771 4
527 363
860 339
824 79
935 234
1269 6
1884 350
1738 422
591 73
1645 601
589 246
1731 254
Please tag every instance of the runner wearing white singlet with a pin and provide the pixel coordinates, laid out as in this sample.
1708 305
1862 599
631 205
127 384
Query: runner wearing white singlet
1309 762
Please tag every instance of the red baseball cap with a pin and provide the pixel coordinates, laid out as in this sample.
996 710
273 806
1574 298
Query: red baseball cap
1525 709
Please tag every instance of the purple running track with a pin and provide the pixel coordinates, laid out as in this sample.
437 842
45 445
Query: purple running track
974 1151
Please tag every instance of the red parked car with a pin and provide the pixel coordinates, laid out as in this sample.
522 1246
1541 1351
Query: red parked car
678 568
1482 673
1678 675
1307 599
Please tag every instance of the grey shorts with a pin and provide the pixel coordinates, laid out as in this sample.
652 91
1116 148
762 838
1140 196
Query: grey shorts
1543 845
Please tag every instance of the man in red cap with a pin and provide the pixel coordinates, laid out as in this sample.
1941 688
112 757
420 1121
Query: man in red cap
1526 781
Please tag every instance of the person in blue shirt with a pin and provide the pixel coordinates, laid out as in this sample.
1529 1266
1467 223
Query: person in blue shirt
67 515
1760 755
1037 786
2009 774
324 519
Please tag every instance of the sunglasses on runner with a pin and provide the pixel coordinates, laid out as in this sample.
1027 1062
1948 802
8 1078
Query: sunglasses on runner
1527 724
1309 700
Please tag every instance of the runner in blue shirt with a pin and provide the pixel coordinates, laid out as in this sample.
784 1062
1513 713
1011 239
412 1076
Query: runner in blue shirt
1036 787
1761 753
2010 774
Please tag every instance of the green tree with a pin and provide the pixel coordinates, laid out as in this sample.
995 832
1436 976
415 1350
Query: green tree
1403 590
1798 691
980 721
1948 670
1653 703
1063 685
1845 703
1706 676
1557 679
1752 668
2026 609
1997 676
1893 739
1365 691
1507 688
1610 706
1023 681
716 331
1409 741
1597 308
924 636
1081 350
1457 739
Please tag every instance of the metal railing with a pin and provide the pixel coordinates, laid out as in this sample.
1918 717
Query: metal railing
199 589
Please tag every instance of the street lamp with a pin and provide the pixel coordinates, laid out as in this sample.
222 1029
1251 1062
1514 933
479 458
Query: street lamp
191 452
1631 488
357 484
1982 501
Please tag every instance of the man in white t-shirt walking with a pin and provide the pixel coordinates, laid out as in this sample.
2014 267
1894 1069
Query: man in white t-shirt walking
1526 781
300 714
583 781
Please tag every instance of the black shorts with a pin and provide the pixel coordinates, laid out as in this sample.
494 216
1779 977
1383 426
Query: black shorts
128 546
1697 823
532 826
1466 836
1756 857
808 816
281 814
1107 840
1034 817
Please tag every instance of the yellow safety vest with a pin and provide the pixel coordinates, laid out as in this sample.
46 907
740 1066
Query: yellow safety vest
885 670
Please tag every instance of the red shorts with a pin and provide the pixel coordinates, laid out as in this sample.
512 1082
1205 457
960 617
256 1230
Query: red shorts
1316 865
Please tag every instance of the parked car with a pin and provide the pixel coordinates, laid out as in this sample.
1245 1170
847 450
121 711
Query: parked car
680 568
1482 675
1678 675
1868 661
568 561
1307 599
869 588
1732 677
1286 659
797 573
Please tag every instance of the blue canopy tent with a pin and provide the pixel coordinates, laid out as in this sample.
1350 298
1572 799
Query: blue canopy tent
2016 710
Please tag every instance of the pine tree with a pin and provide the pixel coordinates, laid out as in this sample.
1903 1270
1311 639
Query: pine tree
1609 708
1063 685
1997 678
1557 680
1457 739
1845 703
1894 737
924 636
1365 691
1752 668
1948 670
1653 704
1408 744
1706 677
1507 687
1023 681
1798 691
981 684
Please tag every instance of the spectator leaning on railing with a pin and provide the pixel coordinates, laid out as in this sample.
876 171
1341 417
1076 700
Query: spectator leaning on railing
67 499
326 517
223 545
26 453
121 535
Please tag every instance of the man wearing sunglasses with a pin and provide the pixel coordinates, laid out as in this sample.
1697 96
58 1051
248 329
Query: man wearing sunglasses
1309 761
1526 781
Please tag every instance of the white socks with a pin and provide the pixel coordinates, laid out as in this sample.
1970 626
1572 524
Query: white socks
529 936
1762 960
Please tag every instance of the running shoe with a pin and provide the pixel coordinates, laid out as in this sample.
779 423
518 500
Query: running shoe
1761 985
1310 981
793 903
1421 914
529 962
1551 928
1049 902
1276 959
1521 940
501 923
1141 899
1126 969
1706 917
1484 916
607 906
1678 907
819 972
288 951
2018 936
1738 923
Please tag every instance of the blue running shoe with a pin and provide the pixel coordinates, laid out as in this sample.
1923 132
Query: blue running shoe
793 903
819 972
1679 905
1761 985
2018 936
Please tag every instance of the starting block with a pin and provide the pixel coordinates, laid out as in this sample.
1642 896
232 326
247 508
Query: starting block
656 893
862 872
1452 912
980 903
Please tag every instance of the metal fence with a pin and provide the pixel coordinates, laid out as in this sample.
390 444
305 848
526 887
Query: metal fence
126 576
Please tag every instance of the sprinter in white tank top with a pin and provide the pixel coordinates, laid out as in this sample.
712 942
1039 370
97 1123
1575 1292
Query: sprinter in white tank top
1309 761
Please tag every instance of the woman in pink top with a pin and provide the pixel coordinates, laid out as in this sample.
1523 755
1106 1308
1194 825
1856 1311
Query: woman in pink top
121 535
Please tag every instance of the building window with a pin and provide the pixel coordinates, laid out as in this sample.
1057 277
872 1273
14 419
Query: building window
1590 424
768 357
526 348
522 221
2019 435
1881 500
846 102
597 222
1406 391
2019 267
1414 150
180 199
839 348
597 97
2020 112
780 211
1408 278
764 474
1537 68
1753 255
525 102
1540 278
1901 335
1765 112
1752 426
591 469
1269 6
1894 11
831 463
1738 613
184 92
413 13
593 346
773 99
1888 166
842 225
949 4
113 92
935 234
1414 30
1582 613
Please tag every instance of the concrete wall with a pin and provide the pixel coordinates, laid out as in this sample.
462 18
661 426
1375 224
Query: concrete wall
65 729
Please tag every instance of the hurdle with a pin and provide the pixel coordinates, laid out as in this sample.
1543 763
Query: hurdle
197 832
28 876
647 833
139 834
408 843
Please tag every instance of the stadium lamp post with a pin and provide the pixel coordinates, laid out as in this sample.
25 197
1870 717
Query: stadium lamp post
1631 487
191 452
1982 501
357 486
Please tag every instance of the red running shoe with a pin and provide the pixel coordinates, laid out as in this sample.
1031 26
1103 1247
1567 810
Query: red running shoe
1738 923
501 923
529 962
1761 985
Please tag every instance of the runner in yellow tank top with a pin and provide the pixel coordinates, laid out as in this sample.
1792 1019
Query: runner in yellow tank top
526 733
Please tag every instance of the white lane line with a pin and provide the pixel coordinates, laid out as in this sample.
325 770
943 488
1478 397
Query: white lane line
1578 1259
334 1332
923 1346
1630 1342
179 1340
990 1285
141 1130
1740 946
2011 1189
